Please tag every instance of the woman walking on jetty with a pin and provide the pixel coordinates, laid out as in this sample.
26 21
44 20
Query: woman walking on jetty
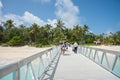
63 47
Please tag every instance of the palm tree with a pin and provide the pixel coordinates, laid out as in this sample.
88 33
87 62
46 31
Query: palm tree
24 34
85 29
60 25
49 32
34 29
1 33
77 33
9 24
116 38
48 27
85 32
60 30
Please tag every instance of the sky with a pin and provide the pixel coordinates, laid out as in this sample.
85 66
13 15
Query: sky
102 16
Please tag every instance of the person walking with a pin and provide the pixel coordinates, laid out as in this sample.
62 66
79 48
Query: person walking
63 48
75 45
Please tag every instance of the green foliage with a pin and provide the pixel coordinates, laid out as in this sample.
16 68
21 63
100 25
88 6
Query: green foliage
46 35
15 41
1 33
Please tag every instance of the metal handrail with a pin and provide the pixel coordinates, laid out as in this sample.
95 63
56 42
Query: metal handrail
107 51
15 67
101 57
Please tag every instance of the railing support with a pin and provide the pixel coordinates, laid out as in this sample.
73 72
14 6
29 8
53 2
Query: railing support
115 61
27 63
16 75
104 57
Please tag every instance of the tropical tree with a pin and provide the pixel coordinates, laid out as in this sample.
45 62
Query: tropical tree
59 31
60 25
24 33
49 33
33 31
84 33
1 33
77 33
90 38
85 28
9 24
116 38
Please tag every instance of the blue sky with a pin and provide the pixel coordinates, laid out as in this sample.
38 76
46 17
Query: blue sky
102 16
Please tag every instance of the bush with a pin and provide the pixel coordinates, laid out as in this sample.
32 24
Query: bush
15 41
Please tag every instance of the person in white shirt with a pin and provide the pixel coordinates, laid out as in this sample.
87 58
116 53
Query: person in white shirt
75 45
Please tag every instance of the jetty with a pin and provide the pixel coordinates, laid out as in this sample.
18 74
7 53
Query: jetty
87 64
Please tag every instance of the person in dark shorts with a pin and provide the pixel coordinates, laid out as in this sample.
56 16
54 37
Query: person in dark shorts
63 48
75 45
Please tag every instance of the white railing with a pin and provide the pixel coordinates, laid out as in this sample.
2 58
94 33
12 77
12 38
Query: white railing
35 67
110 60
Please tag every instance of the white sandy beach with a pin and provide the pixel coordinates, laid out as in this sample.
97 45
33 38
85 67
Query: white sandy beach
114 48
13 54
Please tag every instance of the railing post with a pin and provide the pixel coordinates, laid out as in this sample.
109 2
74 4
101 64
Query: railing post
16 75
98 58
95 55
39 66
90 53
33 72
114 62
86 51
102 57
26 72
107 61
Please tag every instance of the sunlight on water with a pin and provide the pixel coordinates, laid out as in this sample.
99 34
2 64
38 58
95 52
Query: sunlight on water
8 77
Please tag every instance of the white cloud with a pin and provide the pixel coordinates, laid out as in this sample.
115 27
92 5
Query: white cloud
90 31
17 19
30 18
52 22
1 5
27 18
108 32
68 12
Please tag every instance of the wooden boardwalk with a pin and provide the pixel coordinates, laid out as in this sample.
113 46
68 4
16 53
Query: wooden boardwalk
77 67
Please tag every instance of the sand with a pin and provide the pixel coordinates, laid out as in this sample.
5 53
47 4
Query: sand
114 48
12 54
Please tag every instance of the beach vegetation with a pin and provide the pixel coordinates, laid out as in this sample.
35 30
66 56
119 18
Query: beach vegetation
15 41
46 35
